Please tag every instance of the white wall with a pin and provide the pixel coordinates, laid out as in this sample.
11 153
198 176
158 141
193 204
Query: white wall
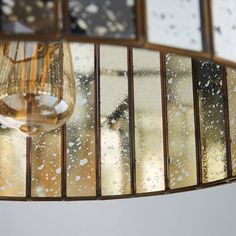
209 212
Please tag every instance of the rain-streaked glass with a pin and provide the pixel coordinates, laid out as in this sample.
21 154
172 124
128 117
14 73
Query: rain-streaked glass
81 156
115 144
181 132
27 16
212 122
231 84
107 19
224 18
148 122
46 164
12 163
175 23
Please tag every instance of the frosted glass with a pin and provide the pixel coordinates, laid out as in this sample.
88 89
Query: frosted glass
224 18
175 23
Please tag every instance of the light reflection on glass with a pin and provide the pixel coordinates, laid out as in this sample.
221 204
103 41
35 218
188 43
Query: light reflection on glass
12 163
115 150
181 132
231 82
212 123
46 164
148 122
81 159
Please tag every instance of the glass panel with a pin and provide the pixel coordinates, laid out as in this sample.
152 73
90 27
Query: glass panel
12 163
224 30
46 164
81 159
175 23
115 150
98 18
231 80
212 123
181 131
27 16
148 122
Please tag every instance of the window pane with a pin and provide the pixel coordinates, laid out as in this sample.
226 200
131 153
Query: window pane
212 123
148 122
46 164
107 19
12 163
115 145
81 158
224 18
175 23
181 131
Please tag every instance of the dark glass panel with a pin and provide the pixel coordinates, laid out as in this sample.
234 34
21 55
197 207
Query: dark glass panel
212 122
28 16
107 19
